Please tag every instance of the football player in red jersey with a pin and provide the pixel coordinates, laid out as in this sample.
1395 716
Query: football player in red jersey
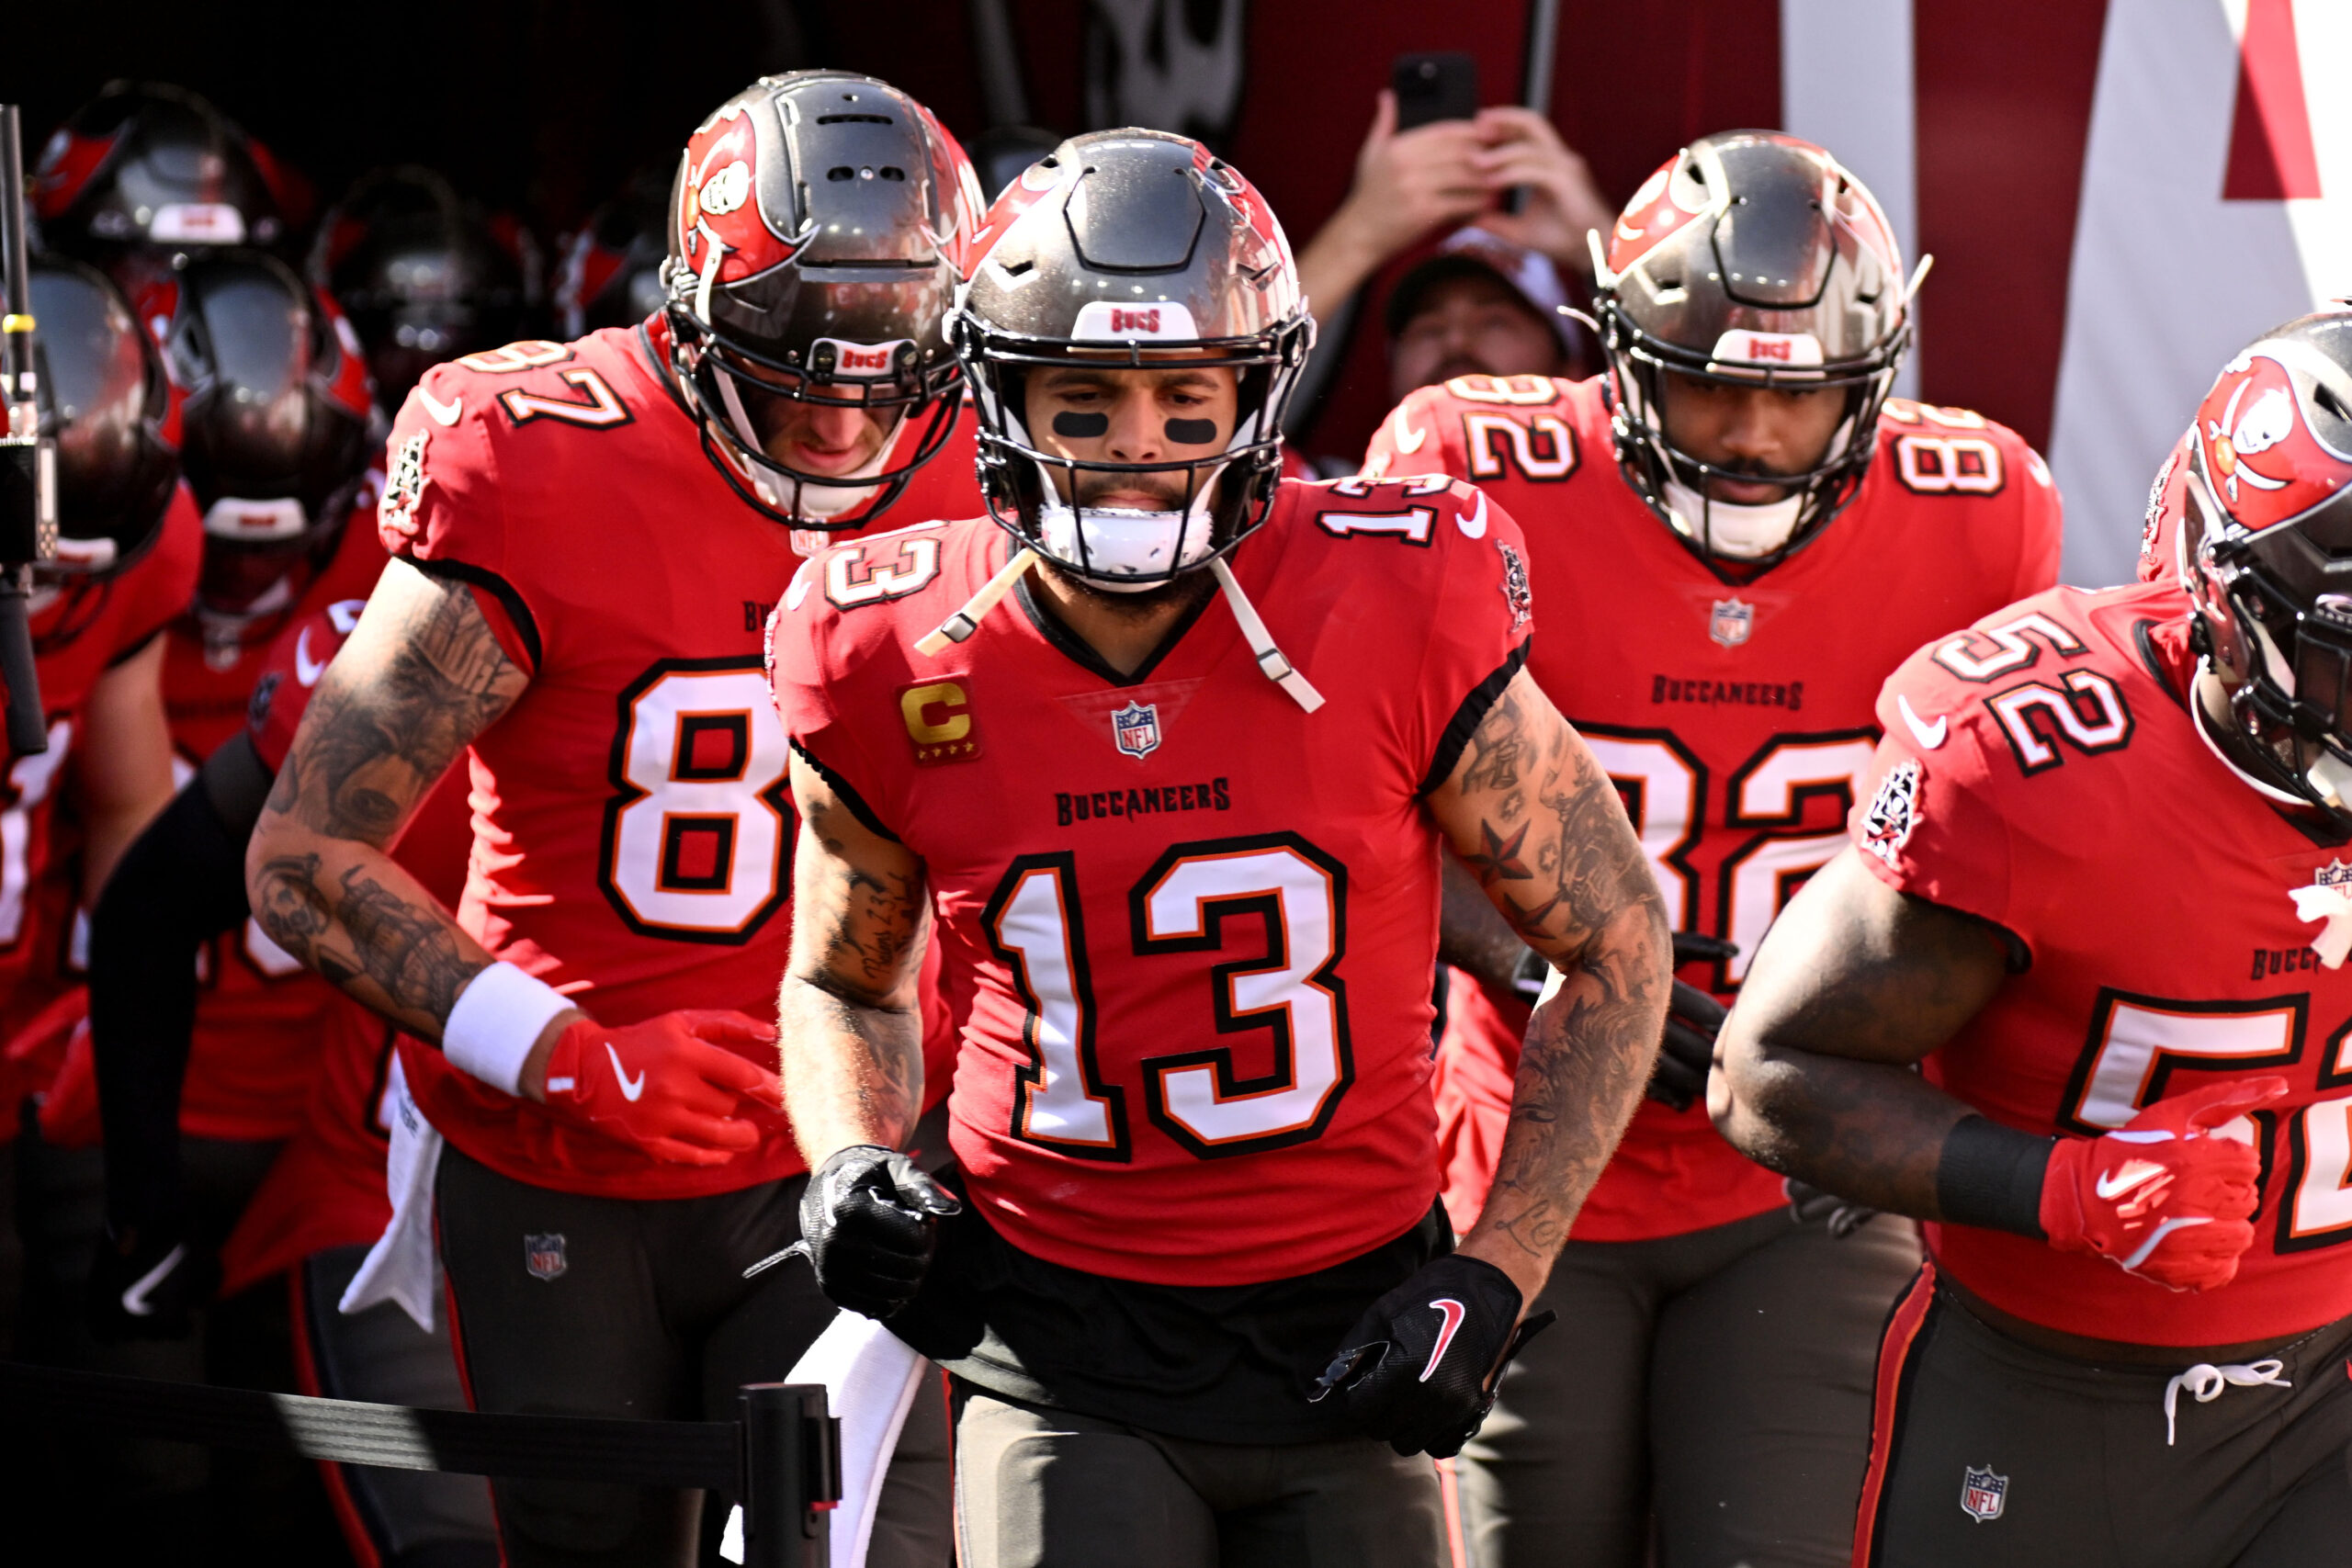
1733 536
587 537
2129 1125
126 563
322 1204
1182 855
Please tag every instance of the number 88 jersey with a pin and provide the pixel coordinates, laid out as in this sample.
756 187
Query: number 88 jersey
1187 929
632 823
1736 716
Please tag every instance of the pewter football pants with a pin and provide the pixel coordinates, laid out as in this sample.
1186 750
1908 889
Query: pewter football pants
1996 1452
571 1306
1047 1489
1718 1381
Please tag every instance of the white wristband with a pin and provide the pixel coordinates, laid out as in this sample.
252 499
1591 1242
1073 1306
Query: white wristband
497 1019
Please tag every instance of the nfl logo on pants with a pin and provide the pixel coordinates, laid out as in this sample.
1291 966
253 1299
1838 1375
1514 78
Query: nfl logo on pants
1981 1493
543 1256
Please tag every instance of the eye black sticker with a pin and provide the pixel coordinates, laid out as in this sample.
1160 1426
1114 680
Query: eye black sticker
1081 426
1191 431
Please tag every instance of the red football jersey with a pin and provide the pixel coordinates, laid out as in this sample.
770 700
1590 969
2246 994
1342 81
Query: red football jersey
251 1060
1187 927
82 632
2042 772
632 825
1735 717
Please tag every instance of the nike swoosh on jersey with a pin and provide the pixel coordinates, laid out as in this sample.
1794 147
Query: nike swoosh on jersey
1410 436
443 414
1475 526
1452 1311
134 1300
629 1090
1928 736
307 670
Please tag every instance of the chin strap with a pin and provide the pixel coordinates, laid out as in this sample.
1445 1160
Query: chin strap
967 621
1276 668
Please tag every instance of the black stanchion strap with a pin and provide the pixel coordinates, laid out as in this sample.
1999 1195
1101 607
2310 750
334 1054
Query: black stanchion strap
393 1437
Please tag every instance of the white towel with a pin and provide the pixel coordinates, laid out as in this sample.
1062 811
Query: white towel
870 1379
402 1266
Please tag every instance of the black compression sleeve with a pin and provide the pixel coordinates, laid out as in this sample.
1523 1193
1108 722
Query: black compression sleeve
181 883
1989 1175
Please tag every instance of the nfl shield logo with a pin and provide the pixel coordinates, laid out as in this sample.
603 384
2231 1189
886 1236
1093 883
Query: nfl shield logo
543 1256
1729 621
1982 1493
1136 727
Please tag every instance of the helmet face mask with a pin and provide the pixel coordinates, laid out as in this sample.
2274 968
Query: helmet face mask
817 230
1131 251
1753 261
2265 520
275 421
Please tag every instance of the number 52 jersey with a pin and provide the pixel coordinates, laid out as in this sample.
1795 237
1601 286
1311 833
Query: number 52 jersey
2174 923
1187 928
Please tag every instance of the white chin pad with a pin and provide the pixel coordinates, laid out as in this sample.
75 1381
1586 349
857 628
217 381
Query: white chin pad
2331 778
1121 544
1742 533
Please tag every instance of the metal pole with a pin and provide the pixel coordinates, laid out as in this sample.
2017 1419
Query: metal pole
1543 44
27 485
792 1476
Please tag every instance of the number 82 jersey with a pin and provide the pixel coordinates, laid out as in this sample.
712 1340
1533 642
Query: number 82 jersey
1187 929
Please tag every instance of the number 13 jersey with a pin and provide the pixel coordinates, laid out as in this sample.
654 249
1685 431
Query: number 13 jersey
1187 928
1733 716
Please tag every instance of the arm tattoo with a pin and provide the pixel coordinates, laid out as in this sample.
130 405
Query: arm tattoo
370 748
868 923
1558 857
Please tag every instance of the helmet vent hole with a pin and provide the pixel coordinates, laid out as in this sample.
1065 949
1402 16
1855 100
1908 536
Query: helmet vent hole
2329 399
855 119
890 172
841 172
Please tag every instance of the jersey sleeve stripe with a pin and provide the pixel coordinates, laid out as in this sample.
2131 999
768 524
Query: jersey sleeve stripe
848 791
515 630
1469 717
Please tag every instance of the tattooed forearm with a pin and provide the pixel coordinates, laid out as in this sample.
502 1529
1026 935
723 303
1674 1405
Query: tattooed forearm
421 677
1533 817
848 1010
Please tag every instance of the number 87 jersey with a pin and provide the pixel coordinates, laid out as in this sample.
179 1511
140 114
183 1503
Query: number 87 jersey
1735 716
1187 928
632 822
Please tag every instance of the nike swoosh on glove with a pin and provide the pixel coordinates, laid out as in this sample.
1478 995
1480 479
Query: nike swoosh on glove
2168 1197
1420 1367
1692 1019
147 1283
672 1086
869 1222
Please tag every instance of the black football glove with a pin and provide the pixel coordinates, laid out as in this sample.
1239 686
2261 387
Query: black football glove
1415 1370
1808 1203
1692 1017
147 1284
869 1222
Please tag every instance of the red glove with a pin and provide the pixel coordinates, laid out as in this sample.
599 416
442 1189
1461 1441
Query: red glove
2168 1198
670 1086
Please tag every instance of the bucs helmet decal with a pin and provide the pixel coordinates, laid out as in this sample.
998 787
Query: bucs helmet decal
2263 510
817 228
